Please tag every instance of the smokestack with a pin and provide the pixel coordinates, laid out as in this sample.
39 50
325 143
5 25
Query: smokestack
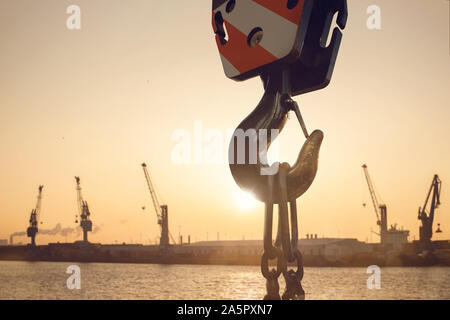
15 234
181 239
189 239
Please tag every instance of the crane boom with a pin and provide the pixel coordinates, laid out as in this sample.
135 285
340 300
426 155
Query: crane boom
161 211
155 201
38 203
376 205
79 196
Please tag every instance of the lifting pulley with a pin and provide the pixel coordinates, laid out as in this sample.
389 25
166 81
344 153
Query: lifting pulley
285 43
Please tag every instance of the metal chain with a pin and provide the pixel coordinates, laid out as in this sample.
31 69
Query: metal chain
271 252
294 289
286 247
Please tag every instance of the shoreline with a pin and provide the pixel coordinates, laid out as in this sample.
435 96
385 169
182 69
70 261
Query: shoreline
139 254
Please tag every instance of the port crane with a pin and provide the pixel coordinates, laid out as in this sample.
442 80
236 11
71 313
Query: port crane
33 229
380 209
83 211
162 212
426 229
393 237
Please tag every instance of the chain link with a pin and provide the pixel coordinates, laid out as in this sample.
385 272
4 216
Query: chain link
273 289
294 289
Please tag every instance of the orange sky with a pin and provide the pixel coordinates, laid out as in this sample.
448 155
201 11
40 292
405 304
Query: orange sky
99 101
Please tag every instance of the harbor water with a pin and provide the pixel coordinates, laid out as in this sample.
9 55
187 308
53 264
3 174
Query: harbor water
48 280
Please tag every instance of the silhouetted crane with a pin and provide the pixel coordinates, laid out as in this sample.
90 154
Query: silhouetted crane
426 229
380 209
162 212
390 239
34 219
83 210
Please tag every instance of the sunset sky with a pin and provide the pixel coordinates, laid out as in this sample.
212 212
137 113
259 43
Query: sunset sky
99 101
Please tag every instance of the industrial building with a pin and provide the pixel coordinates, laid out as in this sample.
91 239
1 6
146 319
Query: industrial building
392 238
329 248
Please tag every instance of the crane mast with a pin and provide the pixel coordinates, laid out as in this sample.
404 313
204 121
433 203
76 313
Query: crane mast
162 212
426 229
380 209
34 218
83 211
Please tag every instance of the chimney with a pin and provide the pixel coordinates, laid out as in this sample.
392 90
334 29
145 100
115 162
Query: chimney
181 239
315 236
307 236
11 240
189 239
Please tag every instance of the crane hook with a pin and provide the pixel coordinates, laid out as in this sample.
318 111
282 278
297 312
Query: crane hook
254 135
285 43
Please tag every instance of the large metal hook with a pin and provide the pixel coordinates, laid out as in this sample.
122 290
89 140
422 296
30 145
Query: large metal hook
252 138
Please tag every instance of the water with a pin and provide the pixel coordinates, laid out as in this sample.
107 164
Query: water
47 280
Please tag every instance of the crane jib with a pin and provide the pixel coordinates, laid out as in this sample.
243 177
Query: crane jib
161 211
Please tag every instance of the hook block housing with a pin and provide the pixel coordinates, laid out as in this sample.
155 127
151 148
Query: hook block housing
257 36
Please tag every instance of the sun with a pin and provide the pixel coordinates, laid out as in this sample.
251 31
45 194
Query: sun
245 200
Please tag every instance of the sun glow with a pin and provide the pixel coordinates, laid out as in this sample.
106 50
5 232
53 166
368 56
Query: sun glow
245 201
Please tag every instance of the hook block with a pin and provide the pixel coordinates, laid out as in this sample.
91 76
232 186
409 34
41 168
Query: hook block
255 37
